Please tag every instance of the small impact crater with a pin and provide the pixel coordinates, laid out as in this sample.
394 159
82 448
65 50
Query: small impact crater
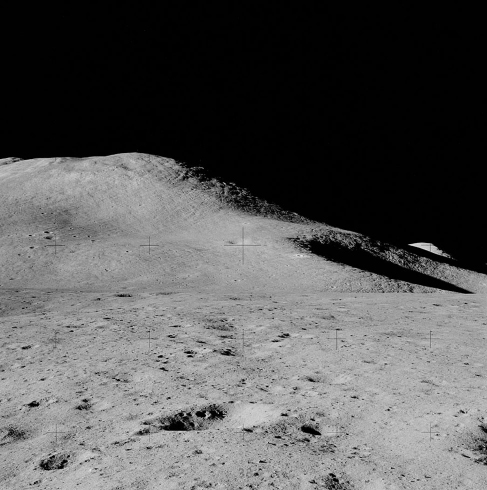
476 445
84 405
201 418
313 424
11 434
56 461
310 428
315 378
218 324
227 352
332 482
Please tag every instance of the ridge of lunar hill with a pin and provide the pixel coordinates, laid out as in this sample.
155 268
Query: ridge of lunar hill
97 214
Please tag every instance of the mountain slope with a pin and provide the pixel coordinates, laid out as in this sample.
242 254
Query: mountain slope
99 212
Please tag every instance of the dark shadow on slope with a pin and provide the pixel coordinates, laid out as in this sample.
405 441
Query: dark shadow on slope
365 261
458 259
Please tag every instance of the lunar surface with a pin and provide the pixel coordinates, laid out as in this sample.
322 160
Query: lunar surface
162 329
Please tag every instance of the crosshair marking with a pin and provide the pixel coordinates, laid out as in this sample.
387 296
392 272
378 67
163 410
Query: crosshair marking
244 430
57 432
55 340
337 432
154 383
243 245
149 337
430 432
336 338
243 343
149 245
55 245
430 336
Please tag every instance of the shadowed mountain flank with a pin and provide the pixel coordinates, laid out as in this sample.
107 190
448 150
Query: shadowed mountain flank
397 263
470 255
456 259
147 221
366 260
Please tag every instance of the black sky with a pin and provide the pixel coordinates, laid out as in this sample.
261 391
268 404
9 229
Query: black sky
365 121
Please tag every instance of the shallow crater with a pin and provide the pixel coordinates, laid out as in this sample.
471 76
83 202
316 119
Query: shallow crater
196 418
56 461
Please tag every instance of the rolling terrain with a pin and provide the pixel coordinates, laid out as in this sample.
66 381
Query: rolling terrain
162 329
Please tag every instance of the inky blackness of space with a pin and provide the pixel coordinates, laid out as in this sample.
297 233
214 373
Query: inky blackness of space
364 121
